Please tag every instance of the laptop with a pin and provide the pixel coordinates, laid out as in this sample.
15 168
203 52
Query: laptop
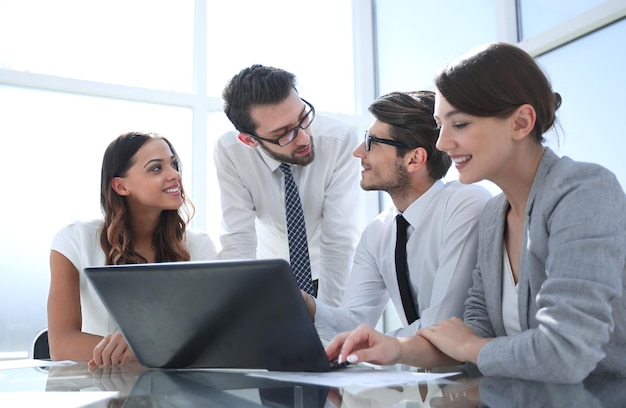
216 314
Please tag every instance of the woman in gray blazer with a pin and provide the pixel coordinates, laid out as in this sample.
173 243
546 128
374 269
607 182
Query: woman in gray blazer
547 302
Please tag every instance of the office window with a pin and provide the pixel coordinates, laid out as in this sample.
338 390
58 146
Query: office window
415 38
311 40
140 43
588 73
537 16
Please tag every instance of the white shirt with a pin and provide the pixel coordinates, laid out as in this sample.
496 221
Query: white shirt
441 254
253 203
79 242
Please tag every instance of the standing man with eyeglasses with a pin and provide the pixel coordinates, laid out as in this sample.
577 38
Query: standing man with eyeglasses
281 151
421 251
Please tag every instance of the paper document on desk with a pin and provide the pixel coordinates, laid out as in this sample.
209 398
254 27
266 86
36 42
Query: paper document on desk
366 377
27 362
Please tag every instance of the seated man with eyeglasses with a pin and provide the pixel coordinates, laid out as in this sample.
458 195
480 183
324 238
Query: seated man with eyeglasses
421 251
275 126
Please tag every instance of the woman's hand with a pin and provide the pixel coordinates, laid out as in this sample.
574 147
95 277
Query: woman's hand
364 344
454 338
112 351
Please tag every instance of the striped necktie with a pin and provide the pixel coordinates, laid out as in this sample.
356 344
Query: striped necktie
296 233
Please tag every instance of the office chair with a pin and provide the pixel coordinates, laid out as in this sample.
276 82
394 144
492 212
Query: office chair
40 349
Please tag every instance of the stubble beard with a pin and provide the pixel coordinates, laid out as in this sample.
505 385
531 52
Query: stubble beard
293 158
395 188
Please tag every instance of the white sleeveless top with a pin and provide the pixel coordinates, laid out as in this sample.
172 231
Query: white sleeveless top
79 242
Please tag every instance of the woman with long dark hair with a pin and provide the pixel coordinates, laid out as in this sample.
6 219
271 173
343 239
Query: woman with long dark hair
145 220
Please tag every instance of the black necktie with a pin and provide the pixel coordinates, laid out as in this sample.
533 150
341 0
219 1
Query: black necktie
402 270
296 233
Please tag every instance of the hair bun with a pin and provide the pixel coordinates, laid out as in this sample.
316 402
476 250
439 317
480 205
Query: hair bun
557 100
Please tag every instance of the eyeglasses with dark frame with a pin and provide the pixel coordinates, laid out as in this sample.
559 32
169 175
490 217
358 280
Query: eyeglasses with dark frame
369 139
290 135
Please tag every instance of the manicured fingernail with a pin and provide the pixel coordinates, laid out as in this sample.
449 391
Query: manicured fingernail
352 358
339 359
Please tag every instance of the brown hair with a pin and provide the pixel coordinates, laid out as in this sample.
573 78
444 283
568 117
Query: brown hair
495 81
255 85
410 119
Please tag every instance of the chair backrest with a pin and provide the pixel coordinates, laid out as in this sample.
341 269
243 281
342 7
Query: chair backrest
40 349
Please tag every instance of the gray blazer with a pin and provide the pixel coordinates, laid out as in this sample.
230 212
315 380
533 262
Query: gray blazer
572 276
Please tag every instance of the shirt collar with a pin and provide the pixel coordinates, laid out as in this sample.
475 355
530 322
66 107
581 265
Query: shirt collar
414 212
271 163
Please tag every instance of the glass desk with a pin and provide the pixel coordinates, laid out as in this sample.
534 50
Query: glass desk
135 386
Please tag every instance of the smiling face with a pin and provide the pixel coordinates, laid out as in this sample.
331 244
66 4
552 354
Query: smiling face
153 182
482 148
273 121
382 168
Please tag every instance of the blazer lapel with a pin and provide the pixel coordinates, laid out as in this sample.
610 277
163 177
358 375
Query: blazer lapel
526 304
492 282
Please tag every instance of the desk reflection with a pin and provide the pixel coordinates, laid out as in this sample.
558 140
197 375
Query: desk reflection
80 377
193 388
594 392
137 386
488 392
461 392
